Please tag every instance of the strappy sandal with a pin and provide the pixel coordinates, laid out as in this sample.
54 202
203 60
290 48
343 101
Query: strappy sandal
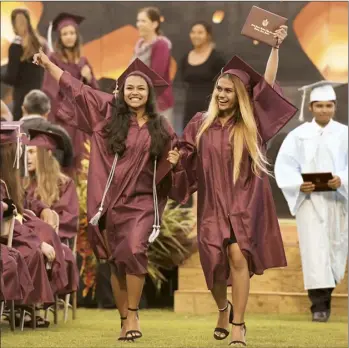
135 334
239 342
219 330
124 338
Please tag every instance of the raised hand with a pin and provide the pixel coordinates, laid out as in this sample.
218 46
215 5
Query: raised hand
281 34
41 59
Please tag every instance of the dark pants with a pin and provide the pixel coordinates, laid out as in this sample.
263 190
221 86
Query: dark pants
320 299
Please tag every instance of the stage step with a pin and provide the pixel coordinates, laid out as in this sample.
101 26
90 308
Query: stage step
278 290
201 302
275 279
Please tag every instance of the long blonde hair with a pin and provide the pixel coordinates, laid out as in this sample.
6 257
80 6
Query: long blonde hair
244 133
48 177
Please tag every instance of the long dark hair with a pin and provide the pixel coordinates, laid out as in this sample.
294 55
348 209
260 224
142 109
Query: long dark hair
60 49
35 41
116 129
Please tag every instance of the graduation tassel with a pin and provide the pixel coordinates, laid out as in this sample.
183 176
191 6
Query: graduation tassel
156 226
26 173
301 113
95 219
49 37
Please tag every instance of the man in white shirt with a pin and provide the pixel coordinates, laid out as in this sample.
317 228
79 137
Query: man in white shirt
320 146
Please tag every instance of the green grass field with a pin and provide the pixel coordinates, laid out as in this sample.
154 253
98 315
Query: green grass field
165 329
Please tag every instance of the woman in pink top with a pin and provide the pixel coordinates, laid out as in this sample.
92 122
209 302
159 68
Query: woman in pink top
154 50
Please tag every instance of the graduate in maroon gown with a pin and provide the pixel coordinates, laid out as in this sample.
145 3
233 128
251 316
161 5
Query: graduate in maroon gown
129 174
67 55
15 278
223 153
47 183
24 239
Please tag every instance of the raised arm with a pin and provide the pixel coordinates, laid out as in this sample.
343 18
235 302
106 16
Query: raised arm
80 105
273 61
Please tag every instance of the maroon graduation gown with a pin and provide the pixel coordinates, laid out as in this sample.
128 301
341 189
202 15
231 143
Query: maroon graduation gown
128 213
67 207
47 234
51 88
28 244
247 207
15 278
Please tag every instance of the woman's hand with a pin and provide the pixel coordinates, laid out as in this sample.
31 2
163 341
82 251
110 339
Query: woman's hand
41 59
173 157
86 73
280 34
49 217
48 251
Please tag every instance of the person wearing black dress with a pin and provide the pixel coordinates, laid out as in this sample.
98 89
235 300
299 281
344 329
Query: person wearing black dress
198 70
21 74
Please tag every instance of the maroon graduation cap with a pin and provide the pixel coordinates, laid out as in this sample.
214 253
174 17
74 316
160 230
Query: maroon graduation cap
64 19
45 139
138 68
238 67
10 133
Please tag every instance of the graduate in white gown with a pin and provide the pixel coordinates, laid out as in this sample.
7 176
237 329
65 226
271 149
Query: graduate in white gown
316 147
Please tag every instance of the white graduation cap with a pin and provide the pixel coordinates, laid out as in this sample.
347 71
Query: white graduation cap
320 91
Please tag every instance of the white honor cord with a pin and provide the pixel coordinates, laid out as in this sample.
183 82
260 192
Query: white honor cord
95 219
156 227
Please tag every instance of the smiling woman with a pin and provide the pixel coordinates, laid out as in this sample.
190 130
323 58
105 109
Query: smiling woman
129 178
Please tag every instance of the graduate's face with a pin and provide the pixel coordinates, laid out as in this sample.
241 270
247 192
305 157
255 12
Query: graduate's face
199 36
145 25
21 25
136 92
225 94
31 158
68 36
323 111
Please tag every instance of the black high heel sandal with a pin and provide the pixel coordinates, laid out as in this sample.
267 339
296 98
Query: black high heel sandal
124 338
135 334
219 330
239 342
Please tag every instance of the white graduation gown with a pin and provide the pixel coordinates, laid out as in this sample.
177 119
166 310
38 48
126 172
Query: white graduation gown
321 217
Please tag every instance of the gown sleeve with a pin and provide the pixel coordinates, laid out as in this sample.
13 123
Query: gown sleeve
288 173
81 106
184 177
67 207
272 111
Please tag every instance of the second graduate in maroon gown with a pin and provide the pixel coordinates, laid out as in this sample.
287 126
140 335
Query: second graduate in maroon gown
223 153
67 55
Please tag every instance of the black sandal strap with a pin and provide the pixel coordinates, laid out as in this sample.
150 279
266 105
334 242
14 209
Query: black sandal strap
133 309
123 318
238 324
